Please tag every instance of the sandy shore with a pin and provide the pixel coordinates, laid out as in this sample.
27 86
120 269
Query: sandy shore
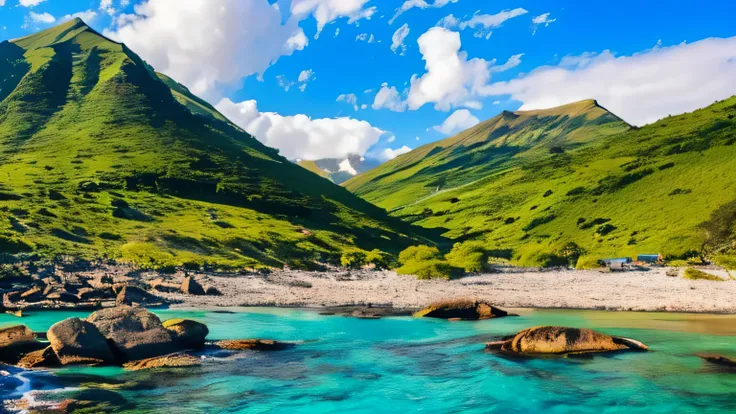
515 288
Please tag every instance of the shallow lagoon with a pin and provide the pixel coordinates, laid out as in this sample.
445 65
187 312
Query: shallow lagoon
409 365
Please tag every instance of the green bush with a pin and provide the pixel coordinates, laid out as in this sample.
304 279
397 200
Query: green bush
11 272
419 253
695 274
725 261
430 269
353 260
379 259
470 256
587 262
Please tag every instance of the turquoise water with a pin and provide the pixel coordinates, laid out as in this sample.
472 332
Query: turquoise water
401 365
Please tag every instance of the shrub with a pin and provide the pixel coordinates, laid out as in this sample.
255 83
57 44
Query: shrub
726 262
471 256
587 262
379 259
419 253
353 260
695 274
430 269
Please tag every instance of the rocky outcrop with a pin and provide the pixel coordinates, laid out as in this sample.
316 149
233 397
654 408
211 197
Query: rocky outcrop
188 333
166 361
15 342
163 286
134 333
464 309
557 340
191 287
78 342
43 358
253 344
90 294
132 295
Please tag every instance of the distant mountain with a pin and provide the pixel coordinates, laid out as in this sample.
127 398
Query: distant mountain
339 170
539 185
102 156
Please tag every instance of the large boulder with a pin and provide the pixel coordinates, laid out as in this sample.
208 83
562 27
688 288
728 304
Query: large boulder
78 342
43 358
134 333
166 361
191 287
466 309
563 340
15 342
253 344
132 295
188 333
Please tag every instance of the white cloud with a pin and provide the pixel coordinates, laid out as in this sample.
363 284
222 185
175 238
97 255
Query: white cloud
451 79
389 153
206 45
398 39
347 167
365 37
542 19
306 75
640 88
337 32
2 3
350 99
41 18
303 87
29 3
388 97
299 136
460 120
284 82
87 16
422 4
483 24
327 11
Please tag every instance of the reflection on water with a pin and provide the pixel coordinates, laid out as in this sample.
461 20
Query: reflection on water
406 365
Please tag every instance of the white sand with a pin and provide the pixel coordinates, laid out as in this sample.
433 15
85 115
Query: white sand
643 291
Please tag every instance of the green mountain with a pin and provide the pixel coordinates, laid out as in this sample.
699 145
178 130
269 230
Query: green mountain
537 185
100 156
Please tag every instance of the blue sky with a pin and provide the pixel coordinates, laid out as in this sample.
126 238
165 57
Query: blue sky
592 50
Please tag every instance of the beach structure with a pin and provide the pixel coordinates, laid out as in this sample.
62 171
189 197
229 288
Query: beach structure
649 258
619 263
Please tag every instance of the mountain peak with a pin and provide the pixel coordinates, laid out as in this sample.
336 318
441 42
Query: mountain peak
61 33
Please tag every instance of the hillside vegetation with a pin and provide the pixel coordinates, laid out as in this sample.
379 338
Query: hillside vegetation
100 156
550 187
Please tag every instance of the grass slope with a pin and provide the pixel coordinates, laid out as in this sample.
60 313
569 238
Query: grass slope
102 156
667 188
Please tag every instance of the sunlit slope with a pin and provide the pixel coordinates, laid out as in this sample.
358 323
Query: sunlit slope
100 155
668 188
493 146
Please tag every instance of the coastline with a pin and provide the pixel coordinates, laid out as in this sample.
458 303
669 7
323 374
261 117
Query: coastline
651 291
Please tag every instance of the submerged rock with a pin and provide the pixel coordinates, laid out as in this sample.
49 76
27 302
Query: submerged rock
134 333
189 333
253 344
465 309
719 360
78 342
166 361
555 340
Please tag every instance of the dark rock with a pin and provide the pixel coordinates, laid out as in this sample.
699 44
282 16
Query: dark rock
89 294
719 360
33 294
130 295
464 309
15 342
188 333
78 342
191 287
134 333
43 358
253 344
166 361
562 340
63 296
212 291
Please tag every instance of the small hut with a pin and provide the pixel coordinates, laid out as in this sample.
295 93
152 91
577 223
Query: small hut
649 258
620 263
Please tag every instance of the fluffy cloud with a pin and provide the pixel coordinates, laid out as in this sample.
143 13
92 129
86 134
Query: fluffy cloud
350 99
306 75
30 3
365 37
640 88
451 80
326 11
421 4
87 16
299 136
388 97
41 18
389 153
542 19
397 40
225 41
483 24
460 120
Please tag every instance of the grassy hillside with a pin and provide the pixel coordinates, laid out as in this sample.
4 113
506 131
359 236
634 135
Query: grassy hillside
102 156
667 188
496 145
